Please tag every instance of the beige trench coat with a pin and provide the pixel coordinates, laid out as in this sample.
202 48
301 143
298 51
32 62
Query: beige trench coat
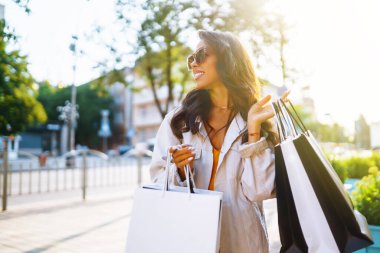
245 174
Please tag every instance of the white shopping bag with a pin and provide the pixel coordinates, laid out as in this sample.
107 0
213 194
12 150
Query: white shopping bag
315 227
174 220
324 220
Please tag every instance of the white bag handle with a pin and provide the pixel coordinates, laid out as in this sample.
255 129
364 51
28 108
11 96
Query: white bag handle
189 176
284 122
167 168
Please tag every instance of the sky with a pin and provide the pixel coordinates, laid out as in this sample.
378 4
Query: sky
335 44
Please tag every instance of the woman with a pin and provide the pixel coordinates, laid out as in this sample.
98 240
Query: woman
222 131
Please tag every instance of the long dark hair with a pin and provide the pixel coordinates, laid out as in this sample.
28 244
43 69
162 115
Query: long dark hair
236 72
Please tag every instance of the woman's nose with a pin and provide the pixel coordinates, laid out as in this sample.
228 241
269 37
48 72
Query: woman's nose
194 64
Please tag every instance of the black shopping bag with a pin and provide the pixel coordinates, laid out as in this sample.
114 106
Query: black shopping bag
348 227
291 236
326 217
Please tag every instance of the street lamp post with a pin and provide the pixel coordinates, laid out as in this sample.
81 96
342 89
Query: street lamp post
129 110
65 116
73 49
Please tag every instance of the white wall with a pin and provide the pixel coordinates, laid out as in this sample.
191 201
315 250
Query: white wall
375 134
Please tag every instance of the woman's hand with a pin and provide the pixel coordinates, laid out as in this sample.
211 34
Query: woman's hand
183 155
259 113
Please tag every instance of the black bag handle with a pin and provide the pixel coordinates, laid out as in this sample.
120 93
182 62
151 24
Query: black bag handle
286 121
294 116
297 119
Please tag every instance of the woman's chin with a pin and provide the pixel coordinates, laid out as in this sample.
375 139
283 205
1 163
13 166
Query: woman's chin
200 85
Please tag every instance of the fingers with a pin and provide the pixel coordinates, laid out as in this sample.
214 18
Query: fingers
268 110
284 96
183 163
266 113
172 149
264 100
182 150
267 98
182 154
178 158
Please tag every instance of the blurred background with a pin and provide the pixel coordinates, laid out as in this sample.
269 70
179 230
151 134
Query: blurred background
85 85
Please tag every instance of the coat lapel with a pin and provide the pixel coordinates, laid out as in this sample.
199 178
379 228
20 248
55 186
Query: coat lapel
236 128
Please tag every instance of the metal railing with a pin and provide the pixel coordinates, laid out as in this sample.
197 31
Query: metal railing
86 169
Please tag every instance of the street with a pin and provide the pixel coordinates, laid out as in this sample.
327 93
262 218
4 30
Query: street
53 217
61 222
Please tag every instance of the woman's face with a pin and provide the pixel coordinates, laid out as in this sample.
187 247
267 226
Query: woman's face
205 73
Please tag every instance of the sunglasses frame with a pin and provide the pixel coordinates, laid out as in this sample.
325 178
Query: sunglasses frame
199 59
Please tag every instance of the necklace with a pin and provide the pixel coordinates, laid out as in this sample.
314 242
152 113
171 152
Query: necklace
216 131
222 107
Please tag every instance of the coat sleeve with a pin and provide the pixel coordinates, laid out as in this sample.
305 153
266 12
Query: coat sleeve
164 139
258 175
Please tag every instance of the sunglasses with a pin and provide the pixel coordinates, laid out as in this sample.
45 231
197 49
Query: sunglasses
198 56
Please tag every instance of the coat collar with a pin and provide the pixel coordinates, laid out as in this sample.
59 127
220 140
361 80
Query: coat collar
235 129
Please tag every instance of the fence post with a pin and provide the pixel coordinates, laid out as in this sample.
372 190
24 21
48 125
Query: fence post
139 168
84 174
5 172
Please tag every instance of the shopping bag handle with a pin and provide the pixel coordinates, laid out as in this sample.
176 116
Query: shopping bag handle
294 115
279 123
189 176
287 120
189 179
284 124
167 168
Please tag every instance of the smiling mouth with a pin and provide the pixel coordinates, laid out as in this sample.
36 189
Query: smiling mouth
198 74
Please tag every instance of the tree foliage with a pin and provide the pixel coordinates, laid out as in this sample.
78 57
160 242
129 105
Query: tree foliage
366 197
162 30
90 102
24 5
19 107
323 132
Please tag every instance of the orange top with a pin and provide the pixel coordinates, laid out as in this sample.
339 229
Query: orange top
215 154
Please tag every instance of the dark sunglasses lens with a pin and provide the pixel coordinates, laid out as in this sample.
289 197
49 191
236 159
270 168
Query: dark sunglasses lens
190 60
200 56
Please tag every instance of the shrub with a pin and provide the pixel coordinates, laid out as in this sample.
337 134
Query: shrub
339 168
357 167
366 196
376 159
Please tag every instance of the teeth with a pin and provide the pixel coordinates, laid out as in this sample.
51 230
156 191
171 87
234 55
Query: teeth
198 74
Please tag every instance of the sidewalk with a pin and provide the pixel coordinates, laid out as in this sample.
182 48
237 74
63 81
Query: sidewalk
65 224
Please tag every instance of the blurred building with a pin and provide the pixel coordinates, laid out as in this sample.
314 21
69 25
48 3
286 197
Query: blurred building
375 135
119 110
41 138
146 116
307 102
362 133
135 114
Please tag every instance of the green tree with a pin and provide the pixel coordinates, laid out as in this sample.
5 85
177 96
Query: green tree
19 107
90 101
24 5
